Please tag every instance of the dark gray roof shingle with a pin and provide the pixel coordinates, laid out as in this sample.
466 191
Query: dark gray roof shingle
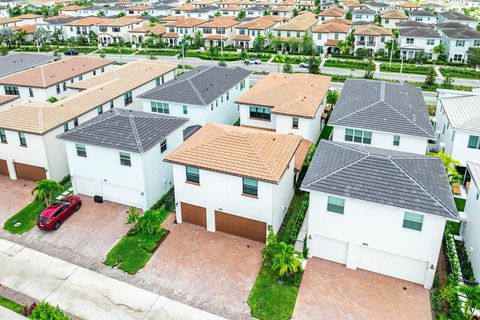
200 86
422 13
126 130
393 178
457 30
16 62
382 106
418 32
453 15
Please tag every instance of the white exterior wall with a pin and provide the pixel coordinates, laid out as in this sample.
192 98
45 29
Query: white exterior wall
419 44
319 39
376 226
363 17
377 43
384 140
471 233
424 19
391 23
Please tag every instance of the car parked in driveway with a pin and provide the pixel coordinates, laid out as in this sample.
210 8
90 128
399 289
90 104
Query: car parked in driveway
52 217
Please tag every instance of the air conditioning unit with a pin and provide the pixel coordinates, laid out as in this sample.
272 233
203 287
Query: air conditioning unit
98 199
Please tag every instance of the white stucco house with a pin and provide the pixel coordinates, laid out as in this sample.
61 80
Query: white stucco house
359 216
458 40
30 149
286 103
119 154
327 35
423 16
471 234
235 180
414 40
364 14
204 94
458 125
382 114
371 37
459 17
248 31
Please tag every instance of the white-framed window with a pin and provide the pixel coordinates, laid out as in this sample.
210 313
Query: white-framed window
81 150
163 146
396 140
125 159
358 136
412 221
335 204
160 107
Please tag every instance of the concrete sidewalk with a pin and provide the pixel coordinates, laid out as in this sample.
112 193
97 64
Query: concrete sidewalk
84 293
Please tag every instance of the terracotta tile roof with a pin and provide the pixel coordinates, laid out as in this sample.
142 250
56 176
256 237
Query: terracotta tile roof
185 7
260 23
29 28
242 37
372 30
188 22
302 22
408 5
220 22
239 151
286 3
290 94
4 99
258 128
88 21
40 118
52 73
170 35
354 4
333 12
215 37
393 14
73 8
301 154
29 16
8 20
119 22
339 21
203 2
172 18
158 29
139 8
331 43
283 9
332 27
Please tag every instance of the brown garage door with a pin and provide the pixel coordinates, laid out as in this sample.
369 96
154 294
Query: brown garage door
28 172
194 214
240 226
3 168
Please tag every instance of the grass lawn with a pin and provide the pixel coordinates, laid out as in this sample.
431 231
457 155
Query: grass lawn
465 73
440 85
407 68
460 203
271 298
347 64
28 215
290 218
326 131
9 304
454 227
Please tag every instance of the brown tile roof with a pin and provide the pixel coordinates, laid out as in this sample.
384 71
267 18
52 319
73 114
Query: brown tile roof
138 8
88 21
40 118
119 22
220 22
158 29
332 27
301 154
283 9
29 28
372 30
286 3
50 74
188 22
170 35
215 37
339 21
333 12
8 20
172 18
4 99
239 151
72 8
393 14
408 5
331 43
260 23
28 16
185 7
290 94
354 4
302 22
242 37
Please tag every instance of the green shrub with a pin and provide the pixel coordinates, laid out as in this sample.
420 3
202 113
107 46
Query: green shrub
406 68
466 73
349 64
44 311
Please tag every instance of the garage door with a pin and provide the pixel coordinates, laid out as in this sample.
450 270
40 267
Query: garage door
329 249
194 214
392 265
3 168
123 195
240 226
84 186
29 172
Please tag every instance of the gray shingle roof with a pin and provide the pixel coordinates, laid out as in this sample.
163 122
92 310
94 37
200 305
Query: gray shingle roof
463 112
17 62
457 30
422 13
409 23
453 15
200 86
393 178
382 106
363 11
126 130
418 32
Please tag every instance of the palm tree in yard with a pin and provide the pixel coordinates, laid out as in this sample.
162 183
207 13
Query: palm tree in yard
46 189
287 260
270 40
120 44
40 36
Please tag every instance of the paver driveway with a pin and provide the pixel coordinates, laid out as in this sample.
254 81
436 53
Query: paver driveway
212 271
90 232
14 195
331 291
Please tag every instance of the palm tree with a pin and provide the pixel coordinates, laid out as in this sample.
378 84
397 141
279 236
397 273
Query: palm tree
472 303
213 52
20 37
46 189
287 260
449 163
120 44
279 58
40 36
198 39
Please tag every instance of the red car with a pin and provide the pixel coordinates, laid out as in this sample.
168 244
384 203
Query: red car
57 212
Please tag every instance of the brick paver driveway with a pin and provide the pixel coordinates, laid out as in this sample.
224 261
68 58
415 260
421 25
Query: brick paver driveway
90 232
212 271
14 195
331 291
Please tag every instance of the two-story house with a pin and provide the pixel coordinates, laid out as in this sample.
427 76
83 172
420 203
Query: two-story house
54 25
458 39
332 13
111 30
371 37
470 233
377 6
459 17
204 94
219 31
327 35
423 16
235 180
376 209
286 103
180 28
389 18
291 33
30 149
82 27
119 154
364 15
412 41
51 80
382 114
247 32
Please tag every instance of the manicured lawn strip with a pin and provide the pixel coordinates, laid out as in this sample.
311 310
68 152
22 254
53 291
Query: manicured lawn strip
326 131
453 227
114 50
347 64
407 68
441 86
272 298
464 73
85 49
460 203
9 304
150 52
290 218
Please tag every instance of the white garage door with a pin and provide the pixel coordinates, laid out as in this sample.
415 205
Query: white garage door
392 265
123 195
329 249
84 186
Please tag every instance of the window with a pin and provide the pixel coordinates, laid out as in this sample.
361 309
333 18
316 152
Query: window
3 136
242 85
125 159
94 72
116 29
228 96
193 174
460 43
409 40
396 140
476 43
163 146
157 82
295 123
80 78
11 90
102 70
387 21
75 122
359 136
127 97
65 127
336 35
58 88
250 187
474 142
260 113
103 29
81 150
30 91
111 104
349 135
412 221
457 57
430 42
100 110
23 141
185 109
358 17
160 107
335 204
